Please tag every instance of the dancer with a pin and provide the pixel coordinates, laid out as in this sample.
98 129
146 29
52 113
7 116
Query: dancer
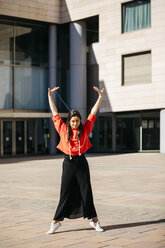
76 198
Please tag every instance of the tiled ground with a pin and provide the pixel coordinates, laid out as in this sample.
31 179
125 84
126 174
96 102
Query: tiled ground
129 195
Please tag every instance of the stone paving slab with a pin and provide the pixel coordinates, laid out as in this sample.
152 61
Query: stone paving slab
128 193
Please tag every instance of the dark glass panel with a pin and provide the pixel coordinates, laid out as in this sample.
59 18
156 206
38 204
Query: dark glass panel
19 137
43 136
31 46
63 66
92 80
7 137
151 134
128 134
31 136
105 133
92 28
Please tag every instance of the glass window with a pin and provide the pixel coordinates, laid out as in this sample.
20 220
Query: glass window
31 46
19 137
7 137
136 15
6 87
92 28
136 68
63 66
43 136
31 88
128 133
31 136
151 134
105 133
6 44
29 65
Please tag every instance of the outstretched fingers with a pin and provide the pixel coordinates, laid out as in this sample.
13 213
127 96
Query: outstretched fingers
49 92
99 91
102 91
53 90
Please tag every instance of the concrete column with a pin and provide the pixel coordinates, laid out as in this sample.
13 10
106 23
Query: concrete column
113 132
52 80
162 131
78 84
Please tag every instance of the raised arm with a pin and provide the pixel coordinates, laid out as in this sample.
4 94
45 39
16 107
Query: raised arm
98 102
51 102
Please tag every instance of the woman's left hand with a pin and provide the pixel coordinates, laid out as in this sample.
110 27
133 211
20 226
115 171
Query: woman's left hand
101 92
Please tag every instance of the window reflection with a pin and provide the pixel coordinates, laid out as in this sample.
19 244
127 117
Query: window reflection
151 134
31 46
28 44
6 44
6 76
31 88
43 136
128 133
105 133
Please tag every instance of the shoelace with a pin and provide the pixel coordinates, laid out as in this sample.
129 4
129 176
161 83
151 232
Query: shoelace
70 156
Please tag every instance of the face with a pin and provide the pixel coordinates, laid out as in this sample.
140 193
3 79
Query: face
74 122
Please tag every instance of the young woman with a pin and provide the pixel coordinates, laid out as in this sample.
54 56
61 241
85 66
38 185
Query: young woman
76 198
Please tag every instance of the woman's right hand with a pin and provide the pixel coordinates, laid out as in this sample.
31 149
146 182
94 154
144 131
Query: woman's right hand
50 92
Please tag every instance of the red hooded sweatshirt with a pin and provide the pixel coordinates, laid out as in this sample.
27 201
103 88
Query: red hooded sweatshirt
74 147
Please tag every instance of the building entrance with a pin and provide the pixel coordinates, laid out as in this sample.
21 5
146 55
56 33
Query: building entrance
24 136
128 133
7 137
151 134
105 134
31 136
20 137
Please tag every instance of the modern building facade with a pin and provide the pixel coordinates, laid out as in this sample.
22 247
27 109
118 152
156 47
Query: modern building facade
115 44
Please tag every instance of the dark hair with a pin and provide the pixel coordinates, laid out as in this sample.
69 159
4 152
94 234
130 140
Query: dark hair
72 113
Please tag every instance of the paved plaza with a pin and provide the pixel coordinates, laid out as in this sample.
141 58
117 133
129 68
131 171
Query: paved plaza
128 193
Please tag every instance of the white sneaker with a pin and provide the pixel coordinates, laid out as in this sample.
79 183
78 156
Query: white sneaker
96 225
54 227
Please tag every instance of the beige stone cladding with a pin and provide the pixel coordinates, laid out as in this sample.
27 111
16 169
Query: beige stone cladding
113 44
40 10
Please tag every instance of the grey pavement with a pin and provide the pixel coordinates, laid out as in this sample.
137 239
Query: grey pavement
128 193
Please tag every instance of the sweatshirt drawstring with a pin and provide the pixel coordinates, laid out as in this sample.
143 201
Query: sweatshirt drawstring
70 156
70 152
79 147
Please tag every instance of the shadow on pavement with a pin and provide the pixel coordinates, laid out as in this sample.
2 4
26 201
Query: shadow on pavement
19 159
111 227
23 158
133 224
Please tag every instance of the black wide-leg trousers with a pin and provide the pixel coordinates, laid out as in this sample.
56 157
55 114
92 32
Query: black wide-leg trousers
76 198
